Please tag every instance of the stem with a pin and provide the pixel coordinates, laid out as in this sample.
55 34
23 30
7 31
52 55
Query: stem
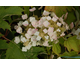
65 48
17 19
7 39
64 38
6 32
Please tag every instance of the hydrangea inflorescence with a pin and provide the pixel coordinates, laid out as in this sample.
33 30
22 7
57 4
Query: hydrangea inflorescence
41 31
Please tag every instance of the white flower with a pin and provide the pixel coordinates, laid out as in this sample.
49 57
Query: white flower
59 24
50 33
40 23
19 30
58 30
33 9
63 34
32 19
33 38
59 58
34 23
23 39
46 12
54 19
24 16
34 30
25 23
61 20
46 23
27 35
56 41
34 43
36 33
53 36
38 38
37 43
45 31
46 37
24 49
45 43
20 23
67 27
28 46
50 29
51 39
15 27
54 15
77 31
43 18
30 32
48 18
17 40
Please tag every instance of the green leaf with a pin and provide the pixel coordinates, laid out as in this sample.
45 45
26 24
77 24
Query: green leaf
13 10
2 12
26 10
66 44
14 52
72 53
37 12
61 41
56 48
59 10
78 9
2 54
77 15
3 44
4 25
33 52
72 43
70 18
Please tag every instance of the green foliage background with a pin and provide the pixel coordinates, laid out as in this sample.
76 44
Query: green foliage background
10 15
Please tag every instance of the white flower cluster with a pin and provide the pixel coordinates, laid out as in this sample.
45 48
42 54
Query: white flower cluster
40 31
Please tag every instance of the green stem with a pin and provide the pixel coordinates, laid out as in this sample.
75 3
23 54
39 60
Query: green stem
64 38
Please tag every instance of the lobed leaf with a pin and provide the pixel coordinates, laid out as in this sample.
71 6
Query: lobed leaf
26 10
3 44
4 25
14 52
56 48
72 43
33 52
72 53
13 10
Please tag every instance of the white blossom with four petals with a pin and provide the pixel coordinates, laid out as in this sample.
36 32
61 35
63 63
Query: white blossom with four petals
17 39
